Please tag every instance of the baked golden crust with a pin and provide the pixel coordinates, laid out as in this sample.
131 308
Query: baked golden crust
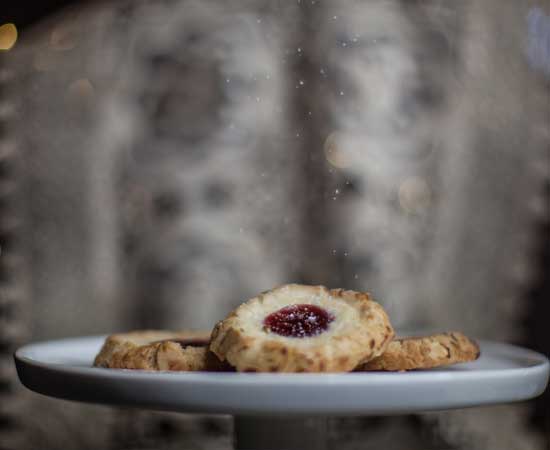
424 353
159 350
359 332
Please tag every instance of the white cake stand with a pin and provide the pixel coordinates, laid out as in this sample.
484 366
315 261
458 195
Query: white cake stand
282 411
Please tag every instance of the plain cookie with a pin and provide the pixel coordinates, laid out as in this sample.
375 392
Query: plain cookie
159 350
425 353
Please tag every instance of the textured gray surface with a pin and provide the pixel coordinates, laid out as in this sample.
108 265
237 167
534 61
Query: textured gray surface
181 156
14 307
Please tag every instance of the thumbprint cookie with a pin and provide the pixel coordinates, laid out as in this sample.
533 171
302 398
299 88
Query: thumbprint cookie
298 328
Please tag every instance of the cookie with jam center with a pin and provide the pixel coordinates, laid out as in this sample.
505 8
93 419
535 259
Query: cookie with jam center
159 350
425 352
299 328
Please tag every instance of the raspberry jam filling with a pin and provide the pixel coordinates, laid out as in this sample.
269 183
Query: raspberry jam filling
298 321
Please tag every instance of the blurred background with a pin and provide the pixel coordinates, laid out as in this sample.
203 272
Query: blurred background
163 160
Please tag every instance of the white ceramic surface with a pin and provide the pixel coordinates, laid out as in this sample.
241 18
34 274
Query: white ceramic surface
63 369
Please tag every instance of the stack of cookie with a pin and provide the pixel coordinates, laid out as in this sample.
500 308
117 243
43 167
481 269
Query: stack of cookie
293 328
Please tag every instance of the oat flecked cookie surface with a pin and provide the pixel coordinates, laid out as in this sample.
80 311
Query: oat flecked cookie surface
159 350
424 353
299 328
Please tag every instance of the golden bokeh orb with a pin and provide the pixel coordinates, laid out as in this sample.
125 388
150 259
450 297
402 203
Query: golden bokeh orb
8 36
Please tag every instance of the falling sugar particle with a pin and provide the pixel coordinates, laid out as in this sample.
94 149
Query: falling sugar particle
356 276
258 99
227 80
259 20
299 50
337 191
341 92
335 18
301 82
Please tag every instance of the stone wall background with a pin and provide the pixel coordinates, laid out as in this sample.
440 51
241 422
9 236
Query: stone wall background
161 161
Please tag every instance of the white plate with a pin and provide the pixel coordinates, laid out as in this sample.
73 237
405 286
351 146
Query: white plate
62 368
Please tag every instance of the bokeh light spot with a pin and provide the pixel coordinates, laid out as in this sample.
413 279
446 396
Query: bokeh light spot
63 38
8 36
81 89
334 154
414 195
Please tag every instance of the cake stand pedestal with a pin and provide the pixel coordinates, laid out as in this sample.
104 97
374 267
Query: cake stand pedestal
282 411
276 433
